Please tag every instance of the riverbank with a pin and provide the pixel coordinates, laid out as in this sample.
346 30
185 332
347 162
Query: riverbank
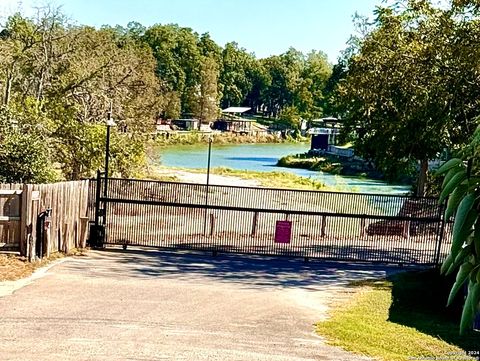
331 164
234 177
192 138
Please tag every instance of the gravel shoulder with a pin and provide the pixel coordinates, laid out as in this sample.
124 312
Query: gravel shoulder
148 305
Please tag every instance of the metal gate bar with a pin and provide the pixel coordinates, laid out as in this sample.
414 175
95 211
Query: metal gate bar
333 225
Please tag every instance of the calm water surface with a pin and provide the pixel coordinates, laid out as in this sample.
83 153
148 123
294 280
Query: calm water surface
263 157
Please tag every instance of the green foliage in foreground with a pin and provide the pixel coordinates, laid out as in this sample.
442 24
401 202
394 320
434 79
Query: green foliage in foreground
461 186
400 319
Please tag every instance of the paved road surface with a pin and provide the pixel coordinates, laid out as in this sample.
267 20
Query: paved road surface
147 305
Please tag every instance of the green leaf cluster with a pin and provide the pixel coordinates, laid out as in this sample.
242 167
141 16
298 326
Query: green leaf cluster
461 186
24 151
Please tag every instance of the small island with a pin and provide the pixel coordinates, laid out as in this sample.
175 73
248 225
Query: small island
327 155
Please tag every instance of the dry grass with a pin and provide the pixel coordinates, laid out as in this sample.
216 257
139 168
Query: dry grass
14 267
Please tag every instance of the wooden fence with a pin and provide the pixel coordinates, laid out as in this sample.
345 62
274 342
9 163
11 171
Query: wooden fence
10 215
20 206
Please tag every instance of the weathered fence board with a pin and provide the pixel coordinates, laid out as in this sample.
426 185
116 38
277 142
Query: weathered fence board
10 208
68 204
67 228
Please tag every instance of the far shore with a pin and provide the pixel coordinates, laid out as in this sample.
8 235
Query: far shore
194 137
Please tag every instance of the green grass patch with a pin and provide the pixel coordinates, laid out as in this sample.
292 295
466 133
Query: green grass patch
266 179
152 174
404 318
332 164
310 162
273 179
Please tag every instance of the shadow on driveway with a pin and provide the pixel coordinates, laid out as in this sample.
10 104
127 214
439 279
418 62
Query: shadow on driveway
248 271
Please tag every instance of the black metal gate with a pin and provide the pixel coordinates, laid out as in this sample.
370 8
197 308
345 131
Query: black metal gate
310 224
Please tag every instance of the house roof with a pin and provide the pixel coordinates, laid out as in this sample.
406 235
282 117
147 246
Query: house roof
235 110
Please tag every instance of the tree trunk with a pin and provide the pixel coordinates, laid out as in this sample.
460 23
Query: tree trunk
40 87
422 178
8 89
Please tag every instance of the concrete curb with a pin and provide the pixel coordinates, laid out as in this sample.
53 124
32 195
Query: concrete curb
7 288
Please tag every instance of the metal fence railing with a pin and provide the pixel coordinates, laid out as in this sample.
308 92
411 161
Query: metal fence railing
313 224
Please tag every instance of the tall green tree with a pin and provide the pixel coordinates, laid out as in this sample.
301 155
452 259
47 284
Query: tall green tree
309 96
282 84
235 75
178 60
399 95
206 94
296 80
260 80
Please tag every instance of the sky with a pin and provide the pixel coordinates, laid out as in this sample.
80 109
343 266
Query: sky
264 27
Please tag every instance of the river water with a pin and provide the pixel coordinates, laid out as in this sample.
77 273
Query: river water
263 157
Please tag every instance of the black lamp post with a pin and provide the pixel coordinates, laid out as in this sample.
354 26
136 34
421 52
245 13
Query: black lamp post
208 184
110 123
97 232
208 161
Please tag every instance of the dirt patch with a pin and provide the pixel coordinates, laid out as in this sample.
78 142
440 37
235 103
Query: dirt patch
13 267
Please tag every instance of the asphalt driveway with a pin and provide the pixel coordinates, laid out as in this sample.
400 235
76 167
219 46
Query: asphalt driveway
148 305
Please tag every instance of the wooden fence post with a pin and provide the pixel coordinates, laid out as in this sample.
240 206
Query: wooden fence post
212 224
83 232
23 223
324 226
27 229
406 229
362 227
254 225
